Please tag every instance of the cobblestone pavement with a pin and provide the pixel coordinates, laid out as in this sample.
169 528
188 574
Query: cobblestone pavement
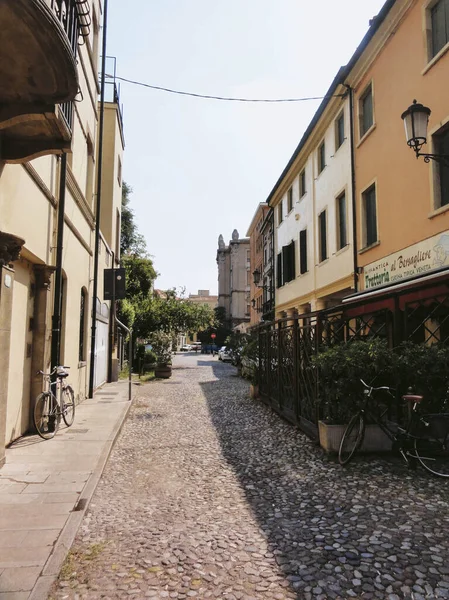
208 494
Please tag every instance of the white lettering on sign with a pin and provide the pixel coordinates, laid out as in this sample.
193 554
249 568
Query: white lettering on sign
424 256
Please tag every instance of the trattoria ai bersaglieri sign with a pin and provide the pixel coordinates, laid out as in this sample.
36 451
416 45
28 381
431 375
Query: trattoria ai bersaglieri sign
418 259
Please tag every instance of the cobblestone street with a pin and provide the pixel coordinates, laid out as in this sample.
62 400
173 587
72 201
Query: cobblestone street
208 494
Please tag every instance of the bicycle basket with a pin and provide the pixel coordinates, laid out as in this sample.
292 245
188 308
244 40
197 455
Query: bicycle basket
434 426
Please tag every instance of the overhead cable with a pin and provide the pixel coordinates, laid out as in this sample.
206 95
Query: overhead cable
224 98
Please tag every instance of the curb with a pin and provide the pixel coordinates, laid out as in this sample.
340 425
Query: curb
65 540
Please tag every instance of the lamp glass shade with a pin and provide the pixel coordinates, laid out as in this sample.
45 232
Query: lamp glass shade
256 277
416 119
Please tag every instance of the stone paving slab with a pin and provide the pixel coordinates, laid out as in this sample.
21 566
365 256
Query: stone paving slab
42 485
208 494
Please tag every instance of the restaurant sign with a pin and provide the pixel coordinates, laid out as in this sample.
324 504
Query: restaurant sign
418 259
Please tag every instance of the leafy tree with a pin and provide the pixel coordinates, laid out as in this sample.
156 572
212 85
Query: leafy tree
221 327
131 241
172 315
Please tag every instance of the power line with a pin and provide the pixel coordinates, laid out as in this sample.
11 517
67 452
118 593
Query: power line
225 98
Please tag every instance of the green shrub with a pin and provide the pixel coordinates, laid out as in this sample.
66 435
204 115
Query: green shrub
161 343
340 369
150 357
425 370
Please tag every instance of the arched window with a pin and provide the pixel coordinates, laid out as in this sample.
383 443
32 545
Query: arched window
83 306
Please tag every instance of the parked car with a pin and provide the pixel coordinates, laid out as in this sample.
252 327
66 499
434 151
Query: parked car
185 348
224 354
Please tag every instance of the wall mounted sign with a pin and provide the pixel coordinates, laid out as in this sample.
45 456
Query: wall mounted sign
427 255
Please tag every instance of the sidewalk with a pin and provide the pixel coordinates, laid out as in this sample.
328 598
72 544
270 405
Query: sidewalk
45 488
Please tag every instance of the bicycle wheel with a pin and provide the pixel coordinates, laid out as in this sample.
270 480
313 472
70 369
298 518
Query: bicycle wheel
352 439
47 415
68 405
432 445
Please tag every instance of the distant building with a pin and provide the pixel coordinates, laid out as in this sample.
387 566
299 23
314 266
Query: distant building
204 297
234 280
258 283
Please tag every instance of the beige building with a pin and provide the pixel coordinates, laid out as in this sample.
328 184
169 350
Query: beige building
203 297
234 280
48 164
313 226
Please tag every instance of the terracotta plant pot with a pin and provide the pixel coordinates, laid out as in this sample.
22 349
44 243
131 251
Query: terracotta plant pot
254 390
162 371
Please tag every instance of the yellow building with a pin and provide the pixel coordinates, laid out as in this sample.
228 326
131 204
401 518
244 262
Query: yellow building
402 203
48 160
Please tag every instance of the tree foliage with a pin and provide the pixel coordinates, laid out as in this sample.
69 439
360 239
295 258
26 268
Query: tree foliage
172 314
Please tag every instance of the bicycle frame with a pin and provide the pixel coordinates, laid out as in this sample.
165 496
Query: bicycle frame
399 435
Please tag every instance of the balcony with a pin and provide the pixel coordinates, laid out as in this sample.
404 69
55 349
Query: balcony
38 72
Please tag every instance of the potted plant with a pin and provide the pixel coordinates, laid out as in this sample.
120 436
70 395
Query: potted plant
161 344
340 369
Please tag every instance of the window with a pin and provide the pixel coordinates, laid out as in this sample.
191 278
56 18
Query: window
339 131
81 346
366 114
302 183
119 171
279 270
290 200
280 213
441 146
303 251
369 215
342 236
321 157
439 17
288 263
322 235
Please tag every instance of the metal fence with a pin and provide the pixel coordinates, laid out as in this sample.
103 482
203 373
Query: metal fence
289 383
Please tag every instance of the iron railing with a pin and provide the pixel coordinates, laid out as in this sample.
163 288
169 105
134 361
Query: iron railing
289 382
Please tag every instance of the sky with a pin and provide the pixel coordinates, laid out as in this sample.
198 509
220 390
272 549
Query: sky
199 168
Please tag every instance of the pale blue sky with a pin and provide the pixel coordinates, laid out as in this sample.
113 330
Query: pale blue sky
197 167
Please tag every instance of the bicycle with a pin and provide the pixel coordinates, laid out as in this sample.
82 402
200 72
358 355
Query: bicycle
425 437
55 402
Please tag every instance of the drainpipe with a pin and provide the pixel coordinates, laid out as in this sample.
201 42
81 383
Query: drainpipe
98 205
57 302
350 91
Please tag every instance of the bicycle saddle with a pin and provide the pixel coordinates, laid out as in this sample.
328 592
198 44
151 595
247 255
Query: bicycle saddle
412 398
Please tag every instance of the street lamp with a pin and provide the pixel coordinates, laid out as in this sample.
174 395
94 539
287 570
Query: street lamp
416 120
256 277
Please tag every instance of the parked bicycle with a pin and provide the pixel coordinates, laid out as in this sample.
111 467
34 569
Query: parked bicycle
57 401
425 437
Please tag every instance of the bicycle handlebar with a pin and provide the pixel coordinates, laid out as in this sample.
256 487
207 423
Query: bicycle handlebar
53 371
374 389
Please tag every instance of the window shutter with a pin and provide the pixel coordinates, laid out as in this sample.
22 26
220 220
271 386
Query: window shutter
292 261
279 270
303 250
285 265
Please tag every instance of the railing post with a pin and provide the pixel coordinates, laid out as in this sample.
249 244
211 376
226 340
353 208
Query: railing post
296 369
279 325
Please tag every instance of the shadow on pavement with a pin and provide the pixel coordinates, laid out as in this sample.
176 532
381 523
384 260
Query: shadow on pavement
325 524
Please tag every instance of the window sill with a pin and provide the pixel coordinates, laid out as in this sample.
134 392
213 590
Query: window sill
320 173
82 363
301 197
342 250
366 248
323 262
438 211
366 134
435 59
